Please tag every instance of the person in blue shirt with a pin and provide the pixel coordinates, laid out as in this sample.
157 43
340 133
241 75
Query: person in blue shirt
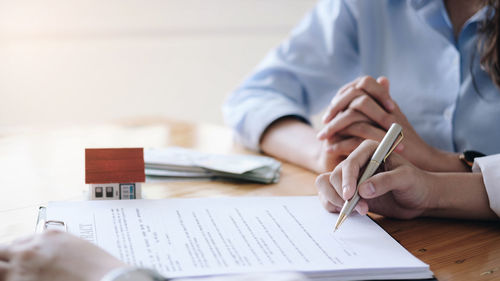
428 50
431 66
442 61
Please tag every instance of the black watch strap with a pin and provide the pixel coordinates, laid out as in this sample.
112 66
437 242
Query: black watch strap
468 157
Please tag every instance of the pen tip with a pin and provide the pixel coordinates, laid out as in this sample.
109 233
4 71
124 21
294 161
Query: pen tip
340 220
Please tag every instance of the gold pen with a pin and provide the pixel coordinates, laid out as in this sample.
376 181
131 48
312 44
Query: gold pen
391 139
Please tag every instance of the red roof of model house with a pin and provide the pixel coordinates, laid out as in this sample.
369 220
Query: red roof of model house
114 165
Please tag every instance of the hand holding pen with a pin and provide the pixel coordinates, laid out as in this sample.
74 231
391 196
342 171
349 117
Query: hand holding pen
391 139
399 190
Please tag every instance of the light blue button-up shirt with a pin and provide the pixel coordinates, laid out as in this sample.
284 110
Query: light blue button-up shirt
410 42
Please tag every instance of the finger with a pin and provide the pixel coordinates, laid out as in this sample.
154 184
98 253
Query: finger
349 85
341 121
350 175
23 239
382 80
344 147
326 190
377 91
369 107
5 253
327 205
4 269
352 166
336 178
384 182
362 207
363 130
341 92
341 101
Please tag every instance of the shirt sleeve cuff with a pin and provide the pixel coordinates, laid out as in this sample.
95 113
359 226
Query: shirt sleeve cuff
489 166
252 124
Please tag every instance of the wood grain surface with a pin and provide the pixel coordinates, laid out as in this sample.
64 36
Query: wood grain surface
44 165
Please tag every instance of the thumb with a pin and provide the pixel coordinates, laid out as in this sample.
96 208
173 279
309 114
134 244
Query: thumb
384 182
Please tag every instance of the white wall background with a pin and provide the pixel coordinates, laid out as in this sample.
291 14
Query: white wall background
86 61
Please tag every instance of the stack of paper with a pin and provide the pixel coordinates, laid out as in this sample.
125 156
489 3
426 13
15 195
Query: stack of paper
219 236
176 162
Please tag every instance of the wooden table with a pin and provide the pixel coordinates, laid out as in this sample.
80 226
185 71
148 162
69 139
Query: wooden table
48 164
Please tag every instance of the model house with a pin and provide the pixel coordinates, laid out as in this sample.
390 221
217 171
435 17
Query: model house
114 173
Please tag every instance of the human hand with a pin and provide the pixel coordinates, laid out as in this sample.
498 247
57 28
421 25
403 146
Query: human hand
400 190
364 109
333 151
336 147
54 256
378 90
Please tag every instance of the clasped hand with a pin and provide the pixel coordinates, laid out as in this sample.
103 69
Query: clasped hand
361 112
364 109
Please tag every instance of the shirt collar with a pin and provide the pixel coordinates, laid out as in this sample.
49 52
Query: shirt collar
425 5
433 13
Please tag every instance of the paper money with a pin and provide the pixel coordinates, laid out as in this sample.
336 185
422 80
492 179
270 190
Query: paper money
177 162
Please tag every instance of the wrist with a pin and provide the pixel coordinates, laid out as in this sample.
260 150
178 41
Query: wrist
452 163
279 140
443 161
435 198
446 192
314 159
458 195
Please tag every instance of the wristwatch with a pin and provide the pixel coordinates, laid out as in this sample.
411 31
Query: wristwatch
468 157
133 274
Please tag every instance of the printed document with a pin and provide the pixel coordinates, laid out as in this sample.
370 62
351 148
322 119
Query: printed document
215 236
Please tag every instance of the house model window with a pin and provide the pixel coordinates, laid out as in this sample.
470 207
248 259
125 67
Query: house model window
114 173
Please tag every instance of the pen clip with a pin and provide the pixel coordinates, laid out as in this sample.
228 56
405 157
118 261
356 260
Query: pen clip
400 138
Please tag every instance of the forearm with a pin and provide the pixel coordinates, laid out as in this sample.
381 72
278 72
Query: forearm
293 141
459 195
443 161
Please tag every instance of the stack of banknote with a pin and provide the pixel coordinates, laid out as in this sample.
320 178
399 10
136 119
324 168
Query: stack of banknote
182 163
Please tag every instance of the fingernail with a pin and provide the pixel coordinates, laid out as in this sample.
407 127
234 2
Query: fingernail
370 189
360 210
364 211
344 191
390 105
324 118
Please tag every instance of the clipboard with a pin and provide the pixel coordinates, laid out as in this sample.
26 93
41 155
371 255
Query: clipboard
42 223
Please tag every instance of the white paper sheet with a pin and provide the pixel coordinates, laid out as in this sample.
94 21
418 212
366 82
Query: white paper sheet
212 236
